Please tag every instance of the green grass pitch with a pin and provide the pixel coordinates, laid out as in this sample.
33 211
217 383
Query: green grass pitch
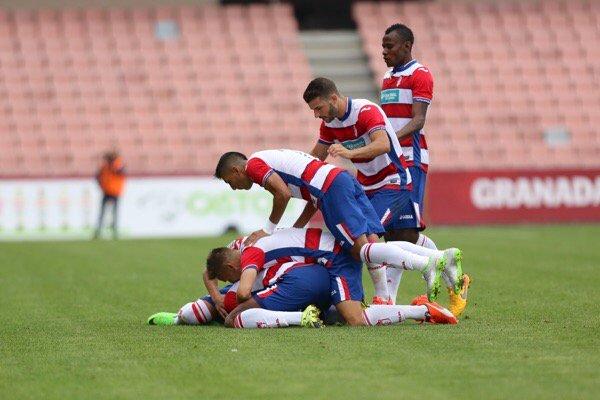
74 313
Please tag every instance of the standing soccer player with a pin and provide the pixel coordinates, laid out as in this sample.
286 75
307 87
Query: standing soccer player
406 93
358 130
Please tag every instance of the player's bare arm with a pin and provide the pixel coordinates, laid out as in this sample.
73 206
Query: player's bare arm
248 304
281 197
244 291
307 214
419 112
212 287
380 144
320 151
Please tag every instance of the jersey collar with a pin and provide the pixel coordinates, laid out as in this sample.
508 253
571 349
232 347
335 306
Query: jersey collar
348 109
400 68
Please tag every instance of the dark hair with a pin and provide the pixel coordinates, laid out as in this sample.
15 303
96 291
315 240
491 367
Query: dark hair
226 161
319 87
403 31
215 261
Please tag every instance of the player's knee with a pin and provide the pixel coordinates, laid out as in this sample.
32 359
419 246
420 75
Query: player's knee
194 313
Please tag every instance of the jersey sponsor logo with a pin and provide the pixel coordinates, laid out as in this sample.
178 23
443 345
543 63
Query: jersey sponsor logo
354 144
535 192
390 96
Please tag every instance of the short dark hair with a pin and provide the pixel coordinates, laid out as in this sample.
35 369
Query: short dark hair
403 31
319 87
215 260
226 161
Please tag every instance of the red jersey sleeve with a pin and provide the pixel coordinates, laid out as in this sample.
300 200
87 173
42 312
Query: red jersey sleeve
422 85
326 135
370 119
253 257
258 171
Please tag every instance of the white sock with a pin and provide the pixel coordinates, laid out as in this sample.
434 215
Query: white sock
378 276
387 315
394 276
417 249
393 256
194 313
261 318
425 241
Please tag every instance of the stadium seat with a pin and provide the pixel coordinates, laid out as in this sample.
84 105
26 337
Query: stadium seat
537 68
79 81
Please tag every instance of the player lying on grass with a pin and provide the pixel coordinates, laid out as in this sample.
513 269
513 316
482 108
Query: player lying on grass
309 245
285 245
347 212
281 290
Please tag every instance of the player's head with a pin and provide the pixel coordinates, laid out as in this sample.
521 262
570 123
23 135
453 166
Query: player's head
323 97
232 169
397 45
223 264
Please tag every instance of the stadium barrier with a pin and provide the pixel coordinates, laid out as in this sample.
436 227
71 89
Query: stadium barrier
150 207
513 196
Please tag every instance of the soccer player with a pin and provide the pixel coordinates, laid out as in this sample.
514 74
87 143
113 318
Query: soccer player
205 309
313 246
358 130
406 92
347 212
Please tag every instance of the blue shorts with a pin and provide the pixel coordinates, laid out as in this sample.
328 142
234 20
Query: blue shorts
296 289
345 275
396 209
347 211
419 180
223 290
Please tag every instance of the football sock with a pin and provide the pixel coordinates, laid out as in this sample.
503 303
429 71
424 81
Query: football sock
394 276
420 250
261 318
378 276
393 256
385 315
194 313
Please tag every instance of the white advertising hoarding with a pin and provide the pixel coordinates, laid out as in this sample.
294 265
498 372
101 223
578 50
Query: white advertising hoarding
149 207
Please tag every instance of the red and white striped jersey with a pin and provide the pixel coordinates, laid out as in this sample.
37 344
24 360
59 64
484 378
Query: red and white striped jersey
353 130
401 87
307 177
310 246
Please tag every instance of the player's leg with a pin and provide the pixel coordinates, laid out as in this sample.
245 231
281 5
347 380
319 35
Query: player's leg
396 257
425 311
290 301
199 312
348 215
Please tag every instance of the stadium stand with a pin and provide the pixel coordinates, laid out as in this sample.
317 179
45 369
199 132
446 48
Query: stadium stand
170 87
504 73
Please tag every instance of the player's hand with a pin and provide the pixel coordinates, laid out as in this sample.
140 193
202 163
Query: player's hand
254 236
337 150
220 306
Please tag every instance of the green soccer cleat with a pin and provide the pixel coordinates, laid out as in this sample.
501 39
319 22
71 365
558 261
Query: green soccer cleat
432 276
453 269
162 318
310 318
